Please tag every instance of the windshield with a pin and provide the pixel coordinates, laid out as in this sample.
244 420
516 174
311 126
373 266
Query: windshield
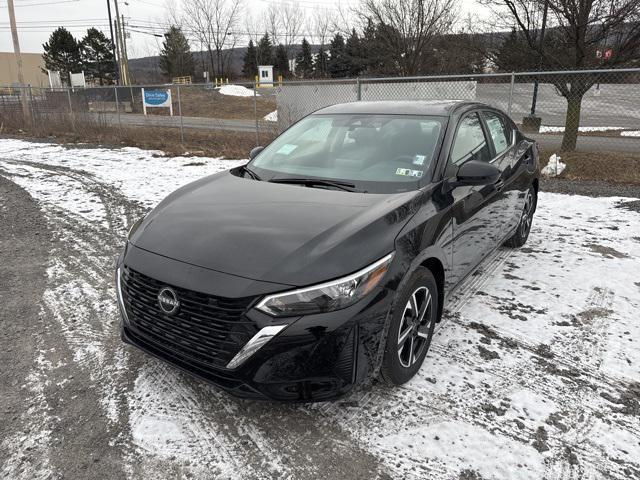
375 153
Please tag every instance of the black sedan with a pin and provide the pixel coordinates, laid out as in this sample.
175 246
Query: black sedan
327 259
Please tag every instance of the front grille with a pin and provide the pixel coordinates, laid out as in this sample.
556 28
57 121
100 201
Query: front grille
206 329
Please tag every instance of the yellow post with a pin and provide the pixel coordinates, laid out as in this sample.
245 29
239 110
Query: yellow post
257 84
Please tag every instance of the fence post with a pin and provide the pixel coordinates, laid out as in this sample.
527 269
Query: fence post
358 89
180 114
115 89
513 79
32 108
255 111
73 120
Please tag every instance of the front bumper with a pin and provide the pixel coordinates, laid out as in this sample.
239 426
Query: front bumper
317 357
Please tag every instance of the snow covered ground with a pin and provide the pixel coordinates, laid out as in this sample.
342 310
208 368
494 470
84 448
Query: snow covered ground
535 372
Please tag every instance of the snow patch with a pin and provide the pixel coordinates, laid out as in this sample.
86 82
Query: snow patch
271 117
555 167
630 133
550 129
459 444
236 91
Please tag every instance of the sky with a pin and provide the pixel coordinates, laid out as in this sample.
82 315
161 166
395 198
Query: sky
36 19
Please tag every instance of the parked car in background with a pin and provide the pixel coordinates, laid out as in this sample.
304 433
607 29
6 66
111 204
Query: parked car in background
327 259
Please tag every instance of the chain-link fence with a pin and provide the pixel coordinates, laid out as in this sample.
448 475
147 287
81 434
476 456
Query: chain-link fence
587 111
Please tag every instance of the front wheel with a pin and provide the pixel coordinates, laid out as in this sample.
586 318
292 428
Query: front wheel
411 330
526 219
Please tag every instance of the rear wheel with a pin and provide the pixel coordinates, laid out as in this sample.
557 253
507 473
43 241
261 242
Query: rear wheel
526 219
411 329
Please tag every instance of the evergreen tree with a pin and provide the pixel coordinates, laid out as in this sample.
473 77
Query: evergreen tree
281 63
62 54
176 59
97 56
250 64
385 44
265 51
320 63
338 64
514 54
354 55
369 52
304 60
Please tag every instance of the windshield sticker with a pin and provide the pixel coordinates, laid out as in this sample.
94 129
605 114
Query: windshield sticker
287 149
419 159
407 172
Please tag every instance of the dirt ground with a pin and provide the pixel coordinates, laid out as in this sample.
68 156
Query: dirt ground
623 168
533 374
200 102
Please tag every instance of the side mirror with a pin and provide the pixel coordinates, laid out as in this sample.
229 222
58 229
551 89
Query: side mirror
476 172
255 151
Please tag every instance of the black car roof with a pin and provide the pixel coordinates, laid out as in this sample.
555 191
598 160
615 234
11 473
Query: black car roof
400 107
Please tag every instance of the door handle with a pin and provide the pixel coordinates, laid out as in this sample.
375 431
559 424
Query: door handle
499 185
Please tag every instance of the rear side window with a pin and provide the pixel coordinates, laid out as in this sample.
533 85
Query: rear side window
499 131
470 142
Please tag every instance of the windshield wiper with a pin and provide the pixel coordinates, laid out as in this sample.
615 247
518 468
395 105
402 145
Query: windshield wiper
250 172
310 182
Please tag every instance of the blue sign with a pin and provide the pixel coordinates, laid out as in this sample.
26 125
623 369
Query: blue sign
156 97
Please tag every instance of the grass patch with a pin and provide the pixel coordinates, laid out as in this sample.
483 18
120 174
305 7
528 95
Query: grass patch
210 143
598 166
200 102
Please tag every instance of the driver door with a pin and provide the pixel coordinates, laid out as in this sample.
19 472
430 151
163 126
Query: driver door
476 210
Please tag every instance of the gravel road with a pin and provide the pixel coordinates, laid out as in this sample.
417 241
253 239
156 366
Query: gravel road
535 372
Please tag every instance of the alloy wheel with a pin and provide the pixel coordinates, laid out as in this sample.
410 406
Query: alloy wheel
527 215
413 333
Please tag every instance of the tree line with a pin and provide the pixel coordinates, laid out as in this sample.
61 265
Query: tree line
92 54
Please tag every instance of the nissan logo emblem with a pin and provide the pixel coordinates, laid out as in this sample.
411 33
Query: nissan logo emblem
168 301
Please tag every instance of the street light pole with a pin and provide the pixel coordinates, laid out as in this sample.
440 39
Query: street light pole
540 47
16 50
113 44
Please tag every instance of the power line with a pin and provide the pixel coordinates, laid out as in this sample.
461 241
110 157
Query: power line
155 26
48 22
42 3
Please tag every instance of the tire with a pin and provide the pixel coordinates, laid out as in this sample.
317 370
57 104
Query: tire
526 219
398 365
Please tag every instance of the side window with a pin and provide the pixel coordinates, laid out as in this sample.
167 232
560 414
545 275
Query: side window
499 131
470 142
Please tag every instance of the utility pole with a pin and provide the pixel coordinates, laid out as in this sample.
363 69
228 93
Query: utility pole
124 51
113 44
16 50
119 35
118 55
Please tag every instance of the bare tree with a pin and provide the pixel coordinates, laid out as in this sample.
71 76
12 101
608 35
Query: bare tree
409 27
292 24
576 30
320 28
215 24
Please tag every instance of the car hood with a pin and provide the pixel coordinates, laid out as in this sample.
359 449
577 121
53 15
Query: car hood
287 234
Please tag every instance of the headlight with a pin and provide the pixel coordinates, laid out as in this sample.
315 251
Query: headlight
329 296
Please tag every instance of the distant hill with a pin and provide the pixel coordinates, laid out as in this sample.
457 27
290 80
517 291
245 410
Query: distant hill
146 70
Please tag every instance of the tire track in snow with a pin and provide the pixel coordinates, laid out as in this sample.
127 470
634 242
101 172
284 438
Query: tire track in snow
207 436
